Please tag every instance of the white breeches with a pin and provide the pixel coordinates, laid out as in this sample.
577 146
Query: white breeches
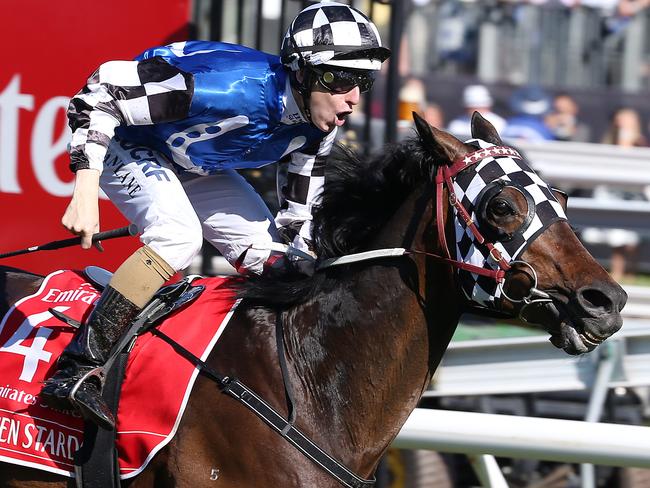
175 211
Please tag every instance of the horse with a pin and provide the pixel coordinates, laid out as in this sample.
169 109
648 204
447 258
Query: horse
363 338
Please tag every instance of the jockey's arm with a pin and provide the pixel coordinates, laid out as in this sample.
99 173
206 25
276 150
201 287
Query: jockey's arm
118 93
301 191
81 217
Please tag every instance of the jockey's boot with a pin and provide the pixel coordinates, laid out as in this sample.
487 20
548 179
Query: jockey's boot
76 384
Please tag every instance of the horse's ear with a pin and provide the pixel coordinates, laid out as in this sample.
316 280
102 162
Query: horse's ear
442 146
482 129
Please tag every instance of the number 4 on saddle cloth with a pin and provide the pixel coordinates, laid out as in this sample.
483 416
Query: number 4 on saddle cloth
32 338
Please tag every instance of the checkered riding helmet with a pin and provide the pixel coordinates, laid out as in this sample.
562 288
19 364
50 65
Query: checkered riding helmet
333 34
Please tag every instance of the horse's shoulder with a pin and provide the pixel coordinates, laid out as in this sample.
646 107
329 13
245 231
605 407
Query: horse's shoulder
255 319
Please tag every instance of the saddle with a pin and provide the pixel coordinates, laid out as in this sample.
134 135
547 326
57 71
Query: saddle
96 463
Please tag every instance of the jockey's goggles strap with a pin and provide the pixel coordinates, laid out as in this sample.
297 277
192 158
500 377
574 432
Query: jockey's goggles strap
342 81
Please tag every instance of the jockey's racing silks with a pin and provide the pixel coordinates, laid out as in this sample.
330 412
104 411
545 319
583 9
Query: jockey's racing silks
237 116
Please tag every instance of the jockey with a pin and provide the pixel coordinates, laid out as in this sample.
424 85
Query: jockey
163 137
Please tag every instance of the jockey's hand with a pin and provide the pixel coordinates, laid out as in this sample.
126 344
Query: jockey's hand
304 266
81 217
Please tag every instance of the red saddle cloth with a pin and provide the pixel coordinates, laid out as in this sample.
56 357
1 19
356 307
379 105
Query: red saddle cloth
156 386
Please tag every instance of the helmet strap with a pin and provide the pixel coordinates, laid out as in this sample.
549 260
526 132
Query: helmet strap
304 89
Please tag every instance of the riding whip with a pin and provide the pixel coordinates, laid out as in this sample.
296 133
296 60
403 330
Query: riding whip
130 230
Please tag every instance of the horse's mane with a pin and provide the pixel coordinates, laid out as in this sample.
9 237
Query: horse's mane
359 197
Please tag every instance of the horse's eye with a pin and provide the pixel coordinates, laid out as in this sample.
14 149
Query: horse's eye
501 207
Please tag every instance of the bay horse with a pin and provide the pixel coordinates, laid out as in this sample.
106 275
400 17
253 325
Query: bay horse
363 339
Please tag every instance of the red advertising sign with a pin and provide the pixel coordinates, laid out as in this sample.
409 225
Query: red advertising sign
50 50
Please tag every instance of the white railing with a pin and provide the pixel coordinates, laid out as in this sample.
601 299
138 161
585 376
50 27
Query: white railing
566 441
572 165
585 165
530 364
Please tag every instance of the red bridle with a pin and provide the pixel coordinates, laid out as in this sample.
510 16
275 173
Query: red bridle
444 177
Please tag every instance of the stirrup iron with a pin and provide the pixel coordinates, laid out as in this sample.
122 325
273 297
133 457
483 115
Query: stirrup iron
97 372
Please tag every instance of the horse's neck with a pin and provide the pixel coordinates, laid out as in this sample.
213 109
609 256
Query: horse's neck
364 350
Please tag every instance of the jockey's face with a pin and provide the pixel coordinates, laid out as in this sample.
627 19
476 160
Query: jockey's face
329 110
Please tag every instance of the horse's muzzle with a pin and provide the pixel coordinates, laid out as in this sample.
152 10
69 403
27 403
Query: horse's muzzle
580 323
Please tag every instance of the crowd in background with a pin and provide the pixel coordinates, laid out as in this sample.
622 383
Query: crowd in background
534 115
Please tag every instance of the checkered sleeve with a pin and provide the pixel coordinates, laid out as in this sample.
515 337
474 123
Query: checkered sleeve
124 93
301 191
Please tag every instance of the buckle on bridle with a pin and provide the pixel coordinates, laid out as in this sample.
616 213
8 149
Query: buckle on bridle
496 255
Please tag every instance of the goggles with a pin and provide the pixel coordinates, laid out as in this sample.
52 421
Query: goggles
342 81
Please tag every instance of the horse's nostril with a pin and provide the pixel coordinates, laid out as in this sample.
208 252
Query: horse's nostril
603 301
596 298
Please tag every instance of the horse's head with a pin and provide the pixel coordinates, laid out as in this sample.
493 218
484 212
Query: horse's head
515 250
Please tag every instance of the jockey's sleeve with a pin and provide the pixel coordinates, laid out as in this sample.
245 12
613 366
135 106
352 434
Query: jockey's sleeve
301 191
124 93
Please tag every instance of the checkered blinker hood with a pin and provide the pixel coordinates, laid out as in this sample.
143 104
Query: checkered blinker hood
333 34
474 188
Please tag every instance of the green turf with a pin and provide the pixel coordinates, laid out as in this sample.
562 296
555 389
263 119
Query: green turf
475 328
637 280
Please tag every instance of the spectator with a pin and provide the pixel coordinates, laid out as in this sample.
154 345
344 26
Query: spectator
624 131
475 98
412 98
564 122
618 13
434 115
530 104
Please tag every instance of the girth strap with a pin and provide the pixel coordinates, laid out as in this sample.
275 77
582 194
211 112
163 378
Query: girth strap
242 393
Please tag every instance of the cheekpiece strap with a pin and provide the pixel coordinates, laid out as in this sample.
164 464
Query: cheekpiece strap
443 179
